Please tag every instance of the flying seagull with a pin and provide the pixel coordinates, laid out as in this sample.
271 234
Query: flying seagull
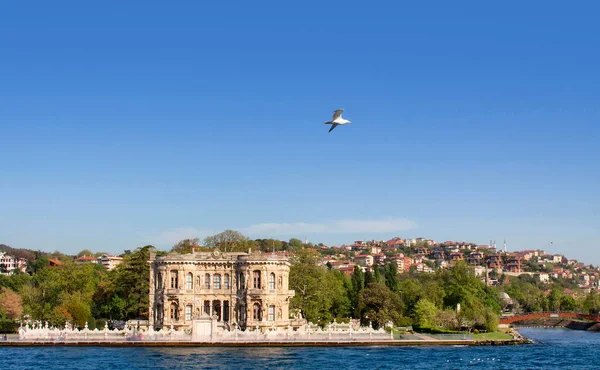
337 119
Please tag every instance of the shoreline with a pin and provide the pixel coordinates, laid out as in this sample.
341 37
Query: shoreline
382 343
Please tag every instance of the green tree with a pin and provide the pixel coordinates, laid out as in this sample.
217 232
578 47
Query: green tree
411 291
568 303
425 315
378 277
132 282
320 294
379 305
358 284
62 292
85 252
391 276
78 308
186 246
294 245
555 299
228 241
591 303
369 278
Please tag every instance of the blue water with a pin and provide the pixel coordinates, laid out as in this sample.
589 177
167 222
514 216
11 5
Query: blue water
554 349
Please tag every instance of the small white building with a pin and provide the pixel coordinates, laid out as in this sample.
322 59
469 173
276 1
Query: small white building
364 260
109 261
557 258
544 278
10 264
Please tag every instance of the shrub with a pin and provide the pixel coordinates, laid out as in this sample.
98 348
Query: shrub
8 327
91 323
404 321
100 323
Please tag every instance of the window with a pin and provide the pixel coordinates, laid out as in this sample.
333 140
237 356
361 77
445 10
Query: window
271 313
257 313
189 278
207 281
241 281
256 279
173 312
226 282
188 312
226 311
217 281
174 283
272 281
207 307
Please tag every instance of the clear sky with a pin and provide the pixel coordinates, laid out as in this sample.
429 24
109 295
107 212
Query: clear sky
147 122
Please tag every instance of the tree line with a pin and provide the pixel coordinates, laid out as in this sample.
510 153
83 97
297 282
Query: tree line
446 300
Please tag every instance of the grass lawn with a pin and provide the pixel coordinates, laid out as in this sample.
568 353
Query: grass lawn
494 335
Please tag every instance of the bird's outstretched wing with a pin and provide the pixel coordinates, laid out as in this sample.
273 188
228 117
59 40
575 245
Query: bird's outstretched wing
333 125
337 113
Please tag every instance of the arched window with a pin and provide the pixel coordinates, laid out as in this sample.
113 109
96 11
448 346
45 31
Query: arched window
226 282
174 283
189 280
256 275
256 312
173 312
271 313
207 281
271 281
188 312
216 281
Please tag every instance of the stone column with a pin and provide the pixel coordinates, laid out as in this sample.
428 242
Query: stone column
151 296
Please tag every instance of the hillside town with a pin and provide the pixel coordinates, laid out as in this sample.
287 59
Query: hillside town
418 255
493 265
10 264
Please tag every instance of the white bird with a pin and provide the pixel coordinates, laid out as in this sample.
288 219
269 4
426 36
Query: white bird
337 119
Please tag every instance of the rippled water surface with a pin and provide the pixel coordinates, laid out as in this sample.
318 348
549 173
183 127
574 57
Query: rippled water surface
554 349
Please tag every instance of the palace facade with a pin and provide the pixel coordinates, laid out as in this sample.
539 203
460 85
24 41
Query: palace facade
238 289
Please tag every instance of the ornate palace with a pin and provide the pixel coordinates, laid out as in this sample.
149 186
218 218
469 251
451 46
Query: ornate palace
239 289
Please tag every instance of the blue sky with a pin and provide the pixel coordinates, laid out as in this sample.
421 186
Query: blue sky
144 123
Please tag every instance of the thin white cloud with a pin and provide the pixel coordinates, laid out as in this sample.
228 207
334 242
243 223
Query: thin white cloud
173 236
346 226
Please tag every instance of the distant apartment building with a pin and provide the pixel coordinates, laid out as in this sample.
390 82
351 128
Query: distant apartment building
456 256
343 266
9 264
438 254
557 258
375 249
543 277
422 251
421 267
475 258
379 259
494 261
364 260
513 264
109 261
395 243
